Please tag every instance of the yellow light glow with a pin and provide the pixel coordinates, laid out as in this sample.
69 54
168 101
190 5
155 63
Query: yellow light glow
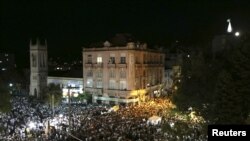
175 87
138 92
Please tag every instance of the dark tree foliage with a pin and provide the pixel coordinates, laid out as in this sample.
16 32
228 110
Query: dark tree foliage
227 101
195 87
219 88
55 91
234 87
88 97
5 105
241 76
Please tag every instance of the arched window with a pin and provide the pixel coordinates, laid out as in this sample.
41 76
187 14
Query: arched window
33 60
35 92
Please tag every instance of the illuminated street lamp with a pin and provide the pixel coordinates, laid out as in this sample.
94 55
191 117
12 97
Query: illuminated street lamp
237 34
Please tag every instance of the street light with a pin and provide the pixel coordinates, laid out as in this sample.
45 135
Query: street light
237 34
53 104
69 103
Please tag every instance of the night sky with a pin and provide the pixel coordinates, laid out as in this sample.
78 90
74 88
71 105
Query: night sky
69 25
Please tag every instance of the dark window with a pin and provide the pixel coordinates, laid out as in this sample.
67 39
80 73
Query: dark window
123 60
112 60
89 59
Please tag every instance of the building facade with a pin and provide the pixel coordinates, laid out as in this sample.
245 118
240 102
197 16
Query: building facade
122 75
38 67
76 85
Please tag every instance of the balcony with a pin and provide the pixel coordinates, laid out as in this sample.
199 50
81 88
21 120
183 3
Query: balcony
121 93
98 65
111 65
88 65
124 65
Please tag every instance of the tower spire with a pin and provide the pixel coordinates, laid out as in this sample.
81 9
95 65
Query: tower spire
229 27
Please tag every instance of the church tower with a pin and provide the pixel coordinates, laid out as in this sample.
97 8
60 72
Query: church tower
38 67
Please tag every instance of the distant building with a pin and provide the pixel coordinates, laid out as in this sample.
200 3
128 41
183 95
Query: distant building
65 82
7 61
124 74
59 65
173 62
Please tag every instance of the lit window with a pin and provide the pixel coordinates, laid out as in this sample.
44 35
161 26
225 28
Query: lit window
111 84
99 84
123 85
3 69
99 59
1 61
89 83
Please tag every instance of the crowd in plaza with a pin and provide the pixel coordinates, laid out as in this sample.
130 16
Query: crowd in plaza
30 120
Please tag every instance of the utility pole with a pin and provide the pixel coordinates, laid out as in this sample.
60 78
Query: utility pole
69 104
53 104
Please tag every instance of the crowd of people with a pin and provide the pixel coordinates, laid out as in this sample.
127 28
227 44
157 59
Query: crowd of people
31 120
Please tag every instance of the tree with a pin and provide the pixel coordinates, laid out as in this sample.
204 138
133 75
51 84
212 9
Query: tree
52 95
240 71
5 105
88 97
232 103
194 88
227 101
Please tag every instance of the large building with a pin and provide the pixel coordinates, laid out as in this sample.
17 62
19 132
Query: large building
123 75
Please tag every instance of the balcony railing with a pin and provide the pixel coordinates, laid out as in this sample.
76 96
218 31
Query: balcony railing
98 65
123 65
88 65
110 65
